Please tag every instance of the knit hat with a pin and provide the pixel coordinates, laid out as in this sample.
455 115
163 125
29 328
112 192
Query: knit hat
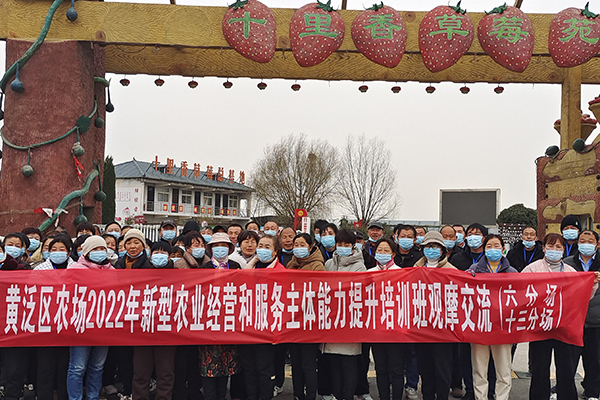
483 229
191 225
221 237
433 237
91 243
134 233
570 220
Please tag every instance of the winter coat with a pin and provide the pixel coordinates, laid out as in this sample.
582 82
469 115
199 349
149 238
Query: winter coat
482 266
592 319
379 268
189 262
218 360
368 253
239 258
259 265
466 258
353 263
47 265
232 265
326 253
314 262
408 260
443 263
142 262
516 256
10 264
284 258
84 263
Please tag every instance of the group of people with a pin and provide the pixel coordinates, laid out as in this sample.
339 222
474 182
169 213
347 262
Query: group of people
331 370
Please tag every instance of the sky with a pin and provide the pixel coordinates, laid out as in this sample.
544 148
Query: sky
446 140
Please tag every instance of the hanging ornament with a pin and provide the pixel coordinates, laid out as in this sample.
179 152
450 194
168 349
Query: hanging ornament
17 85
430 89
262 85
78 149
159 82
193 84
227 84
27 169
465 90
125 81
363 88
99 122
71 12
396 89
80 218
100 195
499 89
109 106
296 87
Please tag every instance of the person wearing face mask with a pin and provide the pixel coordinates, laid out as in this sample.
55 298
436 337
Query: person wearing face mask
271 228
194 255
252 226
570 228
307 256
588 260
111 244
76 250
84 228
135 247
360 240
318 230
327 245
207 233
449 235
420 235
190 226
540 352
460 236
248 241
374 233
492 262
34 250
286 242
526 251
58 254
474 250
407 254
167 230
45 246
221 248
113 229
15 245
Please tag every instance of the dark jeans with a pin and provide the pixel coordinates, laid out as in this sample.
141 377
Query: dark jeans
13 371
591 361
187 383
324 375
215 388
435 368
304 369
564 359
118 367
153 358
389 368
281 350
343 375
257 366
456 381
52 364
362 383
237 386
411 366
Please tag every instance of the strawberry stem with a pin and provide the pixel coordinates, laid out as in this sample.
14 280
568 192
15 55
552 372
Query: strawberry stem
325 6
239 4
498 10
376 7
457 9
587 13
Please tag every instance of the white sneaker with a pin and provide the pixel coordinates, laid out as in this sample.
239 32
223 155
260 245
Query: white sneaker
277 390
411 393
553 396
592 398
366 397
327 397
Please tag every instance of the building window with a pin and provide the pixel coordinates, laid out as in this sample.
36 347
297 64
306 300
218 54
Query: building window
186 197
208 199
233 201
162 195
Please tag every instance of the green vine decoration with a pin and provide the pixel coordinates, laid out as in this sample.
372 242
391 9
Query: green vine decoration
34 46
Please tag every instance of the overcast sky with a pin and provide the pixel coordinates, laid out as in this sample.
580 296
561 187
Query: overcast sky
442 141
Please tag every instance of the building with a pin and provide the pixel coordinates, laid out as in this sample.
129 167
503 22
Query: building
149 192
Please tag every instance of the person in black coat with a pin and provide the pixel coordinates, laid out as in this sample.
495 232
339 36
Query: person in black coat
570 228
474 249
526 251
408 253
135 247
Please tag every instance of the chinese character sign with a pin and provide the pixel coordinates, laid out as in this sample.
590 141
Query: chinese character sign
574 37
152 307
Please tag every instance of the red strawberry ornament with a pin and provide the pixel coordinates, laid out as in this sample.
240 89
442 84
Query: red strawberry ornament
574 37
445 35
379 33
506 34
316 31
249 27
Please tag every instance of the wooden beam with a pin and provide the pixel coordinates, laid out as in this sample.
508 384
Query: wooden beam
570 115
518 3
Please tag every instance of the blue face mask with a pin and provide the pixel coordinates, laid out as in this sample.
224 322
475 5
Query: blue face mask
135 256
97 256
432 253
405 243
287 251
372 240
474 241
122 253
207 238
160 259
198 252
570 234
528 243
168 235
33 244
2 257
587 249
343 251
420 239
359 246
317 238
460 238
301 252
383 259
45 254
115 234
147 252
58 257
79 253
264 255
449 244
175 258
14 251
554 255
271 232
493 254
220 253
328 241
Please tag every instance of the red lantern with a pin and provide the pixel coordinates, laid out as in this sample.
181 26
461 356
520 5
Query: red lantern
430 89
465 90
227 84
262 86
159 82
499 90
193 84
295 87
396 89
363 88
125 82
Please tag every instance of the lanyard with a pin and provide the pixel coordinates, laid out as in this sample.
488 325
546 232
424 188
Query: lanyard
474 260
525 256
281 258
328 255
569 246
490 267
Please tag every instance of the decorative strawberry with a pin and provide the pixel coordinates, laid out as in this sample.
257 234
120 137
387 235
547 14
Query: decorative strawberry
227 84
159 81
396 89
574 37
430 89
316 31
249 27
465 90
499 90
193 84
125 82
296 87
379 33
506 34
262 86
445 35
363 88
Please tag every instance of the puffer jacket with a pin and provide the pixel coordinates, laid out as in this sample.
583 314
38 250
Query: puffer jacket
352 263
314 262
592 320
84 263
481 266
443 263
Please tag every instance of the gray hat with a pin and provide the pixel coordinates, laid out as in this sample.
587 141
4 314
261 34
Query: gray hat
433 237
221 237
375 225
91 243
168 222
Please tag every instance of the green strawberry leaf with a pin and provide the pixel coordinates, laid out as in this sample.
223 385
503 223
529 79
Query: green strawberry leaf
376 7
497 10
325 6
587 13
239 4
83 123
458 9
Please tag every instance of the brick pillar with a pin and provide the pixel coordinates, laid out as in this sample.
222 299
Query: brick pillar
59 88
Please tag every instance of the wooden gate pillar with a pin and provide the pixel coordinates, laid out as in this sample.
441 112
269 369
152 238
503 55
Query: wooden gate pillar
570 115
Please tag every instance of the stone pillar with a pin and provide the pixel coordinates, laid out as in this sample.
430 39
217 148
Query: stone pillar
59 88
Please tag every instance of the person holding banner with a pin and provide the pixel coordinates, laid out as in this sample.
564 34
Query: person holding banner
248 241
492 262
328 241
88 361
435 359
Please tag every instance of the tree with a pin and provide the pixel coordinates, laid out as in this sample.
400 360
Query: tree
367 181
108 186
295 173
518 214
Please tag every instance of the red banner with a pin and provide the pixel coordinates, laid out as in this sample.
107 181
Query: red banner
156 307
